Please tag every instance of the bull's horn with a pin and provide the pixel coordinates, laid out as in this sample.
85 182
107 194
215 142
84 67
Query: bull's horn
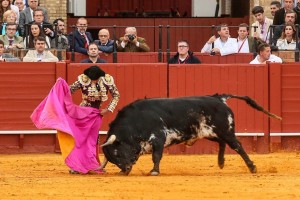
103 164
110 140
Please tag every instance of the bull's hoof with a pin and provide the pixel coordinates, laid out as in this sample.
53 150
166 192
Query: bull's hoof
253 169
124 173
154 173
221 165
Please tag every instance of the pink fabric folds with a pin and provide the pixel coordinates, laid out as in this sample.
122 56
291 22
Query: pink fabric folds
57 111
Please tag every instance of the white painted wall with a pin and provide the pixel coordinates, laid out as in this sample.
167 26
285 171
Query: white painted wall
204 8
78 7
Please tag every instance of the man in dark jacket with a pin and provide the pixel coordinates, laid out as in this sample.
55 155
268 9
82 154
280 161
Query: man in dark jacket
93 53
184 56
81 37
105 44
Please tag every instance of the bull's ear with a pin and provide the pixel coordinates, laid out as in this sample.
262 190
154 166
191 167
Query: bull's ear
109 141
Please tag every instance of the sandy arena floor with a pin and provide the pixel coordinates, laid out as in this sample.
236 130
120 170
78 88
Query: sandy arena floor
184 177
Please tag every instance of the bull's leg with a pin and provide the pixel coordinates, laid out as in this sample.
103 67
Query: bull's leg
221 158
222 146
237 146
157 152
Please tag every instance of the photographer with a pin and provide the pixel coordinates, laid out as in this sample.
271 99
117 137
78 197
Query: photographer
131 42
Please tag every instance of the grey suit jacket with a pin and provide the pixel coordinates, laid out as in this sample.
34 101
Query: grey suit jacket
25 18
10 58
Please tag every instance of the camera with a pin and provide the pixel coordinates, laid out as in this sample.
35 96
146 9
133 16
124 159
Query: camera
131 37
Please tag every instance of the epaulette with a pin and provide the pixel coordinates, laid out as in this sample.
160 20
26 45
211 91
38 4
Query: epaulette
108 79
84 79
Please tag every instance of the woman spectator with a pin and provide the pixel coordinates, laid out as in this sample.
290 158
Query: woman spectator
4 6
35 31
287 41
9 16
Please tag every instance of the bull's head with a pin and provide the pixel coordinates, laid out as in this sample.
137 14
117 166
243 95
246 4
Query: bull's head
120 153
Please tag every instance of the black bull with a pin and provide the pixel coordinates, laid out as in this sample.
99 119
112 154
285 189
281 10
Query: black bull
149 125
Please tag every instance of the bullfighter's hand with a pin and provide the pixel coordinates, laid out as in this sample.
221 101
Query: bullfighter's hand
104 111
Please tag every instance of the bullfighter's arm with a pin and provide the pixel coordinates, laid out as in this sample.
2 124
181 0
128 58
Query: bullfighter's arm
109 81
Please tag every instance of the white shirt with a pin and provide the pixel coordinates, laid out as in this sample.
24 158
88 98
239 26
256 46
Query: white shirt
243 45
226 48
284 45
272 58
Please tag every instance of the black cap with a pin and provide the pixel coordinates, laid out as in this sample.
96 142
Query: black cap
94 72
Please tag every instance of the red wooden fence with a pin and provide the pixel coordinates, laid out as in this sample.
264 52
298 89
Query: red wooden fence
274 86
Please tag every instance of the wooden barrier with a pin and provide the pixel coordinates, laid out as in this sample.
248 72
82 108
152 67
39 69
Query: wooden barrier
273 86
23 87
285 101
240 79
152 57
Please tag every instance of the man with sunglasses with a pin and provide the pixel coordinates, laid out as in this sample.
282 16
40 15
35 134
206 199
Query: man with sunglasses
184 56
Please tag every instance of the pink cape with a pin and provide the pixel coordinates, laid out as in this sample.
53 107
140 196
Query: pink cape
57 111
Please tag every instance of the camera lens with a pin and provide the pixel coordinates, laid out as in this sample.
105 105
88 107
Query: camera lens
131 37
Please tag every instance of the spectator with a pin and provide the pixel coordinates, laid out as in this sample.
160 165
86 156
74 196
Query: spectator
223 45
297 11
35 32
60 41
20 4
26 16
105 44
279 15
184 56
38 18
9 17
82 38
11 41
6 57
246 43
262 23
4 6
289 17
40 54
264 51
15 8
131 42
287 41
93 53
274 6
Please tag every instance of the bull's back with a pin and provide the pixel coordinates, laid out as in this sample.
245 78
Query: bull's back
171 110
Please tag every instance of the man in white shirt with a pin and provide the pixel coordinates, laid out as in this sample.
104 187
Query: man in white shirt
265 55
40 54
246 44
223 45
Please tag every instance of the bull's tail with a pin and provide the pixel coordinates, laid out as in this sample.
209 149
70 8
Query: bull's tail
248 100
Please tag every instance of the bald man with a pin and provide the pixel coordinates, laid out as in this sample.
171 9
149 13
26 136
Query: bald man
131 42
105 45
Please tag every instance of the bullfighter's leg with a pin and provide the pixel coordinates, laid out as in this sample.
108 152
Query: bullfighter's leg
237 146
222 146
157 151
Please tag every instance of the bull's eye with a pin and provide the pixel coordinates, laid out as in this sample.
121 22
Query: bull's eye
115 152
